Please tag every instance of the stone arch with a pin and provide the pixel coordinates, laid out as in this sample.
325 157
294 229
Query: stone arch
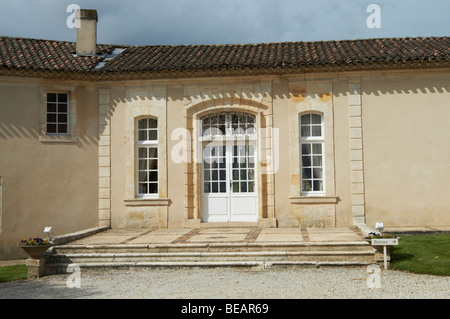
193 115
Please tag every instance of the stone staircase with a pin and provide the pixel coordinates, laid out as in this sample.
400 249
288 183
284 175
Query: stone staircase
250 255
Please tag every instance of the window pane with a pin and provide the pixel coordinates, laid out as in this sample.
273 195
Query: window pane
62 128
152 152
318 186
153 164
235 175
62 97
142 164
235 187
223 187
317 149
153 188
143 177
51 128
206 175
243 187
206 187
251 187
316 119
152 135
222 175
143 188
51 107
316 131
251 174
306 149
142 135
317 172
51 117
51 97
62 108
152 123
153 176
62 118
317 160
306 186
306 161
306 119
305 131
142 151
306 173
142 124
215 187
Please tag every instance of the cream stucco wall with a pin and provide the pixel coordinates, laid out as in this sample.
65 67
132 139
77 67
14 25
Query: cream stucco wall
406 126
353 106
386 151
45 182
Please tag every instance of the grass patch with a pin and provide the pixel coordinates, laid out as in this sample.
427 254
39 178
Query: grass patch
10 273
422 254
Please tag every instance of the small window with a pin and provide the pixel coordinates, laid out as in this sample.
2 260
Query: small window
58 121
147 157
312 154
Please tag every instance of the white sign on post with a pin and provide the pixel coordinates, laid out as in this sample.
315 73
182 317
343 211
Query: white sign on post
384 242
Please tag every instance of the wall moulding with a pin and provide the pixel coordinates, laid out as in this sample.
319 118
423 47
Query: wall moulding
147 202
313 200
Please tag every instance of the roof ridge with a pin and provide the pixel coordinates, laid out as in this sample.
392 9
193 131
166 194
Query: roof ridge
235 44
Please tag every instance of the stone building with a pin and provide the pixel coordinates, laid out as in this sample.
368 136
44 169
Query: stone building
317 134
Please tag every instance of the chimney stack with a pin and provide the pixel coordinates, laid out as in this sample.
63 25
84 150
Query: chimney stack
86 32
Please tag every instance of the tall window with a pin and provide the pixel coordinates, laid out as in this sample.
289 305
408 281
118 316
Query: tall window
57 113
312 154
147 157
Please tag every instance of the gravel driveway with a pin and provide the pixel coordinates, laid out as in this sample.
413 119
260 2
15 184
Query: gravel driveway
233 283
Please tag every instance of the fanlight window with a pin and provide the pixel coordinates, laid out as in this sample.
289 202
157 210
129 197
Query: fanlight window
228 124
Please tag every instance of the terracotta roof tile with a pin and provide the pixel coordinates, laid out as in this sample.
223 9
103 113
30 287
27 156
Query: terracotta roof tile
33 54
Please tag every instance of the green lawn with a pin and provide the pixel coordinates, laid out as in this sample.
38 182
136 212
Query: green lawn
10 273
423 254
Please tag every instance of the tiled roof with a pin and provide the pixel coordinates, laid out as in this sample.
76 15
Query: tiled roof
45 55
33 54
273 55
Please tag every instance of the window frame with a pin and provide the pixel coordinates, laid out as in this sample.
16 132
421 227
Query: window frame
310 140
147 144
68 113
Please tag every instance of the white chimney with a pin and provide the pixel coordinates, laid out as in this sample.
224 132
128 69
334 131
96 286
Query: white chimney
86 32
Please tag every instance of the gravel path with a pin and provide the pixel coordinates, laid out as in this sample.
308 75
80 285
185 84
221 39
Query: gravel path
229 283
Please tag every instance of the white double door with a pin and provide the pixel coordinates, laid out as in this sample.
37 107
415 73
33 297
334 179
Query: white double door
229 183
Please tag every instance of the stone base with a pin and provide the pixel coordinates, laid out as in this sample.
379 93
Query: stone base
36 268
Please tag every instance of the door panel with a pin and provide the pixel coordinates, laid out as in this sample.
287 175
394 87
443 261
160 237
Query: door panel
229 183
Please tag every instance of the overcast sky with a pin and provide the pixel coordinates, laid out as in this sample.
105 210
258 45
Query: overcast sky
147 22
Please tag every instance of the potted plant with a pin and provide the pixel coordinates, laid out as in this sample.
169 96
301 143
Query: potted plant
35 247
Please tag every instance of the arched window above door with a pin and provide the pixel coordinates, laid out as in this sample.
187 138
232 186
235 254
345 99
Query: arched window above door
228 124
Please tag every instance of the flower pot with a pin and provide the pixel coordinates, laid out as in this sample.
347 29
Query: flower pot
35 251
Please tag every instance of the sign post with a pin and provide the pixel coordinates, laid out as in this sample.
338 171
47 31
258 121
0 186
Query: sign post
384 242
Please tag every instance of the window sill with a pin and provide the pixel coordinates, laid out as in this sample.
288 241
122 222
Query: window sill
147 202
313 199
58 138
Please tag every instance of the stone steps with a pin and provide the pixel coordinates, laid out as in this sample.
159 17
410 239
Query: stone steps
253 255
212 247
